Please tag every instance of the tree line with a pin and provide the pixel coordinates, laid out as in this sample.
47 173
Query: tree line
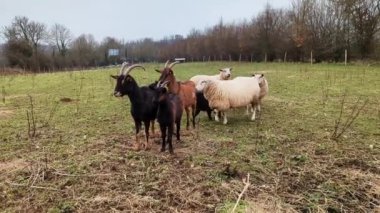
324 28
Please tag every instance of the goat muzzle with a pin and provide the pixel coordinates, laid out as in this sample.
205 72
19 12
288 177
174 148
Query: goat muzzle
117 94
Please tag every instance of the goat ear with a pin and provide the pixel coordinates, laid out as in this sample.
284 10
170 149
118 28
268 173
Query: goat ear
231 69
157 70
253 75
114 76
262 75
220 70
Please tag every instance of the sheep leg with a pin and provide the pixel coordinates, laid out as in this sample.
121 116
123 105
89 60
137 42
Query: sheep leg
146 134
247 112
163 136
253 112
225 118
259 107
170 135
216 115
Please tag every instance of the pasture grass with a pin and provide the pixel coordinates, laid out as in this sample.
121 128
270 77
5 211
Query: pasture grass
79 159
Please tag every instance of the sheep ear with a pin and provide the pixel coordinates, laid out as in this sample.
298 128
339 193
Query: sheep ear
220 70
262 75
157 70
231 69
253 75
114 76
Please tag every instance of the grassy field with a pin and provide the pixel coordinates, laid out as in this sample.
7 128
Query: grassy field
77 158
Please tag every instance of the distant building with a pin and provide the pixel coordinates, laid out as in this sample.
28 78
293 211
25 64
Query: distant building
113 52
181 60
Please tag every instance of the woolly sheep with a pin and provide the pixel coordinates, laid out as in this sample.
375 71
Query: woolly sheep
224 74
239 92
264 89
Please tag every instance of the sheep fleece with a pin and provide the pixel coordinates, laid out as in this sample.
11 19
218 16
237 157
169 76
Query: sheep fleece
223 95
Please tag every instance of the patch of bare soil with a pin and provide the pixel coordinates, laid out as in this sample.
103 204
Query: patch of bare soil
11 166
5 113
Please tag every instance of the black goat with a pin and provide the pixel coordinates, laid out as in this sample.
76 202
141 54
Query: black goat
170 109
202 105
143 107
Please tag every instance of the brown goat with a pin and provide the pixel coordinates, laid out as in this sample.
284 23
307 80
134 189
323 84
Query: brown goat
185 90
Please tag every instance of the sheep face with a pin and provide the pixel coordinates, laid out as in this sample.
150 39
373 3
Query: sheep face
124 85
260 78
225 73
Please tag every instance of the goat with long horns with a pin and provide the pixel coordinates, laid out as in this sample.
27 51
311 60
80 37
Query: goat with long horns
185 90
143 108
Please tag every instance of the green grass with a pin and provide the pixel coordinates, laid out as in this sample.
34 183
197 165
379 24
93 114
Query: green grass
79 161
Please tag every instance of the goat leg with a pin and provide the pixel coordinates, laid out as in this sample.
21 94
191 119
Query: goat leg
193 115
137 141
146 124
163 136
187 118
178 125
170 135
209 115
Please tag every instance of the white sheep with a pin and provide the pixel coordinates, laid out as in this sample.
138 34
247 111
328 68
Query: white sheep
264 89
239 92
224 74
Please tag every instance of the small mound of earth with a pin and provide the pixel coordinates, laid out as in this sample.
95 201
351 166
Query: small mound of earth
67 100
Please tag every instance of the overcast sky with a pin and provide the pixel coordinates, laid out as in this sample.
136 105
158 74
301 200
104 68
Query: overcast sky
131 20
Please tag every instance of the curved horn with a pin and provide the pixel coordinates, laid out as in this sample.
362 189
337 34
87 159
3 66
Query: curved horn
167 63
131 68
172 64
123 66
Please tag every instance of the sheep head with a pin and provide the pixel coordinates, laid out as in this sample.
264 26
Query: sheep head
260 78
225 73
124 82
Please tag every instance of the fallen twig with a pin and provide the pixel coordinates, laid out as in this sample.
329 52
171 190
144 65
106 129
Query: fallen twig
242 192
84 175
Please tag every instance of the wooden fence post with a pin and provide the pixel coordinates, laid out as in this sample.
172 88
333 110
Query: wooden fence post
345 57
311 57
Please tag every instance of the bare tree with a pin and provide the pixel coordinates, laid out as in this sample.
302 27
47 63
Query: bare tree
61 37
364 17
83 51
21 34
